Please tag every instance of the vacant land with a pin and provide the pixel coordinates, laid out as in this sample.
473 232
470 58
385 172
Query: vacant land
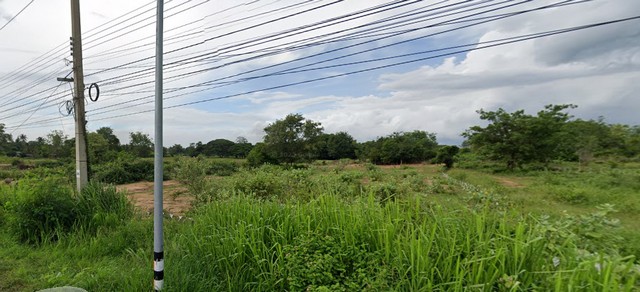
345 226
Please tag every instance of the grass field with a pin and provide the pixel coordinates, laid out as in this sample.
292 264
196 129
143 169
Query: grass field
344 226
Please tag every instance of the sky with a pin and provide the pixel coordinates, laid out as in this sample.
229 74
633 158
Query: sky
369 68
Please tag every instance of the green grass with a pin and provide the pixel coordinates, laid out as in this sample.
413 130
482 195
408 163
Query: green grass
344 227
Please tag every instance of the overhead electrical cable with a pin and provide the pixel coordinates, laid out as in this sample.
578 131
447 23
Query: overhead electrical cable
325 52
486 44
14 17
490 44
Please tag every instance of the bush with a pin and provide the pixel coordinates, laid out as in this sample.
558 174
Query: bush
323 263
140 169
262 183
4 199
192 173
101 205
10 173
50 163
124 171
222 168
17 162
41 210
387 191
259 156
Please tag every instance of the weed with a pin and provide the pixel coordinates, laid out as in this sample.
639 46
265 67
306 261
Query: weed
41 210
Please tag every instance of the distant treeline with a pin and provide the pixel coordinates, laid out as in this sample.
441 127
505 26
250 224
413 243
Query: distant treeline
514 139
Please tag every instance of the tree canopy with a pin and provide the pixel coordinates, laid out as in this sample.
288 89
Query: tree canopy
517 138
140 144
400 147
290 140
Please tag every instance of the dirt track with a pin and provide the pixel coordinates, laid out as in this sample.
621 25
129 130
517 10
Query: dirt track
141 193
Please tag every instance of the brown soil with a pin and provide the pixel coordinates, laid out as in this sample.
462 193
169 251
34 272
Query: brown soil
509 183
411 165
174 201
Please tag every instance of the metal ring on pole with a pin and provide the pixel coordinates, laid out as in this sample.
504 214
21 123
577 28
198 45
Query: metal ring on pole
94 85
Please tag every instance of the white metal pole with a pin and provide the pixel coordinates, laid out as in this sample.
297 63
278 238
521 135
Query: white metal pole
158 241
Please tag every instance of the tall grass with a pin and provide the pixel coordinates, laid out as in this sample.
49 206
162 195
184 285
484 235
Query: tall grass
42 210
243 244
369 229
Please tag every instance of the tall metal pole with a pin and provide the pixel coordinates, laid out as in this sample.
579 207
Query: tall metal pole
78 100
158 241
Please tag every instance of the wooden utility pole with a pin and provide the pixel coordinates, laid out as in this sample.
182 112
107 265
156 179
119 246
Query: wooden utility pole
78 99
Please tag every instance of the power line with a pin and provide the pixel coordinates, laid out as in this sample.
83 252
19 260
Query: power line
226 34
14 17
299 70
271 36
9 101
218 51
325 52
490 44
245 79
33 112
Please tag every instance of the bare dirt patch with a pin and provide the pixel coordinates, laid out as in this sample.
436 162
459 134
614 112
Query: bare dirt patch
141 194
509 183
406 165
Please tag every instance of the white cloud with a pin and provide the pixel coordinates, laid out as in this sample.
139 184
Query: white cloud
596 69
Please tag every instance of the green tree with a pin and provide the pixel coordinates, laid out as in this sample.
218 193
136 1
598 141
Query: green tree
400 147
112 140
58 145
583 140
98 148
409 147
219 147
38 147
21 145
290 140
140 144
241 148
517 138
258 156
6 141
194 149
176 150
335 146
446 155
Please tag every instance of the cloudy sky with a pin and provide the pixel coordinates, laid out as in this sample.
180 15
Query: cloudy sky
366 67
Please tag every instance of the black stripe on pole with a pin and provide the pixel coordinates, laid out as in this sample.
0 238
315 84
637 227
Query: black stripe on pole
158 274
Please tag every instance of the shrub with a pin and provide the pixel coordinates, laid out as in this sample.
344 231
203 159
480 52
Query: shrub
259 156
387 191
4 199
324 263
222 168
262 183
101 205
140 169
41 210
10 173
50 163
17 162
111 173
192 173
124 171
